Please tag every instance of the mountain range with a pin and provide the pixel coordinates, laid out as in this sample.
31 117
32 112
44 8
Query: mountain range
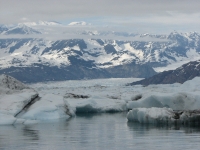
40 59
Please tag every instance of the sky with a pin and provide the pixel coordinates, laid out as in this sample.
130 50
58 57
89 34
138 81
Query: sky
129 15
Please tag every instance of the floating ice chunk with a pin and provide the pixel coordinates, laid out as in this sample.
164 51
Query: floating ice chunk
190 117
97 104
176 101
49 107
6 119
151 115
14 96
164 116
14 103
148 102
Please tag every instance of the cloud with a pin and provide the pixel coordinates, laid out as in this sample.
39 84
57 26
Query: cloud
67 36
114 12
67 9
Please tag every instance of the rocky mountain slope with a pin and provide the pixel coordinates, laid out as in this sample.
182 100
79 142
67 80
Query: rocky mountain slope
40 59
180 75
19 29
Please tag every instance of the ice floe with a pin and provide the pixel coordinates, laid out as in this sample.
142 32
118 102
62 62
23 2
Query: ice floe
163 104
91 96
164 115
159 103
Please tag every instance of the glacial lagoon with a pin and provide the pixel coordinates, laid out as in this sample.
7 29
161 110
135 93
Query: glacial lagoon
98 131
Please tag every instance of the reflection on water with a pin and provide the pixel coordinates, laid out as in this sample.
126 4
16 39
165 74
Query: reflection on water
98 131
30 133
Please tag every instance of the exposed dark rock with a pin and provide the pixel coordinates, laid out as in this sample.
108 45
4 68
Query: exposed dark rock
100 41
60 45
110 49
180 75
34 99
19 44
72 95
79 69
131 70
136 97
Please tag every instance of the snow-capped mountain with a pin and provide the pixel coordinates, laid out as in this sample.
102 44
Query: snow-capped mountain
186 72
80 23
96 58
107 33
66 59
20 29
42 23
3 28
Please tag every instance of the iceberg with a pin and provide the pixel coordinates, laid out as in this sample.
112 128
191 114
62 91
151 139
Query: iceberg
14 96
151 115
96 104
6 119
176 101
173 103
20 104
163 104
49 107
90 96
164 115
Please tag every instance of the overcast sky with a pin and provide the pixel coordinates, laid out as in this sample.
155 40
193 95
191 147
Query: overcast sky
135 15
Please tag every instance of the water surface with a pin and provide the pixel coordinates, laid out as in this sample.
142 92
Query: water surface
98 131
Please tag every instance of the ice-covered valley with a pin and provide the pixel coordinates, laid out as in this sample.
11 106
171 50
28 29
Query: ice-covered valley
41 102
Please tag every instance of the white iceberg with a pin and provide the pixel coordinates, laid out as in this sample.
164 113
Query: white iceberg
49 107
94 105
14 96
20 104
7 119
176 101
89 96
159 103
151 115
179 103
164 116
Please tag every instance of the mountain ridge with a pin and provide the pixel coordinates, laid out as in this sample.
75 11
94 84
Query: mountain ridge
186 72
109 58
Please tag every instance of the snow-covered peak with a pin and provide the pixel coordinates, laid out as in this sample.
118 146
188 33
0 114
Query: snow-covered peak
81 23
42 23
193 35
90 32
144 35
173 34
22 29
3 28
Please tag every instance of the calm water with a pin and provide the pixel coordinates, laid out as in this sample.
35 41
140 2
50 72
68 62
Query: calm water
100 131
